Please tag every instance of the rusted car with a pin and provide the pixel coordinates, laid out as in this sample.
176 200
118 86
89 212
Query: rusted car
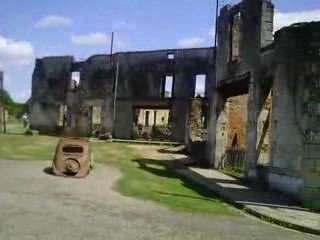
73 157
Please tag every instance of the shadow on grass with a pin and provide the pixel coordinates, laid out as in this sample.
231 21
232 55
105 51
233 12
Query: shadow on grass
185 196
247 195
173 150
150 165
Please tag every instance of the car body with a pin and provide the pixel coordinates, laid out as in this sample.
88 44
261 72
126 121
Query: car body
73 157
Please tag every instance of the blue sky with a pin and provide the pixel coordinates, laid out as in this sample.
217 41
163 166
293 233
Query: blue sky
35 28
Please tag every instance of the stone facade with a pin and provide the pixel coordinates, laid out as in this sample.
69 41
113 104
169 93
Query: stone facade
279 77
296 113
117 85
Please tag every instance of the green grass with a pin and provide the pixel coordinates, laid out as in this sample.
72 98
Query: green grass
150 181
19 147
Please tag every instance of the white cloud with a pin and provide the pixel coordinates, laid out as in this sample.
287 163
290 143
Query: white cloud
282 19
90 39
16 61
191 42
17 81
54 21
15 53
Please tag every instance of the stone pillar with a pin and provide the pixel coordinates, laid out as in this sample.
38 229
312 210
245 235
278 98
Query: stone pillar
253 112
179 104
154 118
216 106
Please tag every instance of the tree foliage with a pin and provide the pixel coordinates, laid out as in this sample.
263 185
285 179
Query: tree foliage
14 108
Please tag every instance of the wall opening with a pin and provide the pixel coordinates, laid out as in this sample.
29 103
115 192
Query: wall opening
75 80
235 37
197 118
237 112
167 87
147 117
231 133
200 86
151 124
170 56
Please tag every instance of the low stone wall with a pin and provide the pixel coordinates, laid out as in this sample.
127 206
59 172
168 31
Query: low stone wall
291 185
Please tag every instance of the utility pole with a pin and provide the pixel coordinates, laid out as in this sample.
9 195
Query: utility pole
216 33
115 74
111 50
3 103
115 92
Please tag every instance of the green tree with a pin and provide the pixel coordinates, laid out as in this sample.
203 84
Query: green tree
14 108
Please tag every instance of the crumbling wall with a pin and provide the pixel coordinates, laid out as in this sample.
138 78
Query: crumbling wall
295 116
237 121
195 120
140 81
196 132
50 79
282 132
49 91
244 30
264 132
221 135
44 117
141 77
98 83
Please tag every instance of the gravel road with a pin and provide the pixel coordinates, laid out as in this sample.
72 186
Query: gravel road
37 205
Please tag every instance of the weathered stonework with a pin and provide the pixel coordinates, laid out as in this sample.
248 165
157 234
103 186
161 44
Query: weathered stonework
296 115
237 121
140 84
280 78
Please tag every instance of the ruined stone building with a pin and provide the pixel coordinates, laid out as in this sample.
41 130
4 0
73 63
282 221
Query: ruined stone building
266 104
260 106
130 95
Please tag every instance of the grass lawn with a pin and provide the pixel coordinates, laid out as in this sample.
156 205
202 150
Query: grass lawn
152 182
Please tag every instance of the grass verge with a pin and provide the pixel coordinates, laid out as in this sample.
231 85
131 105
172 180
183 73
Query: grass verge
153 181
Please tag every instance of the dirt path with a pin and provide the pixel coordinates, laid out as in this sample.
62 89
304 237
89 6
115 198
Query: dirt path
35 205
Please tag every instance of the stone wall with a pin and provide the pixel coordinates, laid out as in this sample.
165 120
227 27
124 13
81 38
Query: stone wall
140 84
237 121
296 115
281 80
244 29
